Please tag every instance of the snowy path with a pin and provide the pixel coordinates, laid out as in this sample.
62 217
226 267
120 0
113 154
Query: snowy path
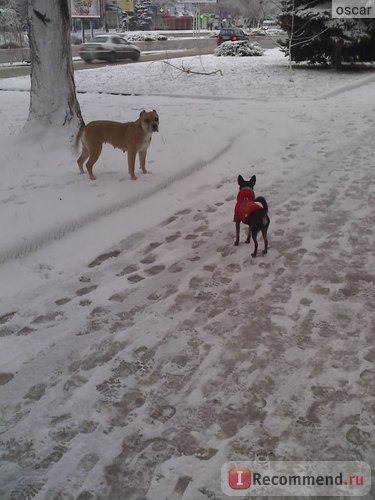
140 372
196 401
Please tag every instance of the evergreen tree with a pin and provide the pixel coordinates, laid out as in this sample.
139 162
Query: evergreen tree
10 29
9 20
141 17
317 37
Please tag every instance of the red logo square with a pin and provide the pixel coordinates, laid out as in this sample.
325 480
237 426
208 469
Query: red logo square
239 478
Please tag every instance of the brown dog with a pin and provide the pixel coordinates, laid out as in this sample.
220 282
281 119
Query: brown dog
133 137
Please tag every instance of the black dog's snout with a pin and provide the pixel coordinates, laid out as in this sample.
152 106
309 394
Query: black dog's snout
154 127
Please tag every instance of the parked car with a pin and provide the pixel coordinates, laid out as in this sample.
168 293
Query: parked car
231 34
258 32
109 48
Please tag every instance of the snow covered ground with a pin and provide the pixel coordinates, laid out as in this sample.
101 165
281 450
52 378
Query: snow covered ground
139 349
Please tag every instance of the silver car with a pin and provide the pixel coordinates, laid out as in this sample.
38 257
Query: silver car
109 48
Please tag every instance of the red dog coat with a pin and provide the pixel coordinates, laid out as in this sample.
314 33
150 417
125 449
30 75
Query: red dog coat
245 205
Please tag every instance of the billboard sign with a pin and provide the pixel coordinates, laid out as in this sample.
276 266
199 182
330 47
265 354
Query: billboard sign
127 5
123 5
85 8
197 1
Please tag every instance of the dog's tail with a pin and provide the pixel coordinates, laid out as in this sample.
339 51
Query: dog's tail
263 202
78 138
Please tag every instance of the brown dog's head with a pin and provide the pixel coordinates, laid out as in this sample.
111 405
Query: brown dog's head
150 121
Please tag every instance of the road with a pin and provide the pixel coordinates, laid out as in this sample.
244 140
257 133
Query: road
200 47
24 69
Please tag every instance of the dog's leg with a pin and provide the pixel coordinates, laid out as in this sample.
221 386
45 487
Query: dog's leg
81 160
254 236
264 234
248 235
142 161
94 155
237 240
131 164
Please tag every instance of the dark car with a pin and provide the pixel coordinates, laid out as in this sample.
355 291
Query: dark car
109 48
231 35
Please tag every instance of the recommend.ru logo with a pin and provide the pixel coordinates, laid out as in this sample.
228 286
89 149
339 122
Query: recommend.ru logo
282 478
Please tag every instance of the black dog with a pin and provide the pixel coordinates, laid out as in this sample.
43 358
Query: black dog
251 211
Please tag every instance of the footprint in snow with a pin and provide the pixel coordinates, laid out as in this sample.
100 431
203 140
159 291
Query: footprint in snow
105 256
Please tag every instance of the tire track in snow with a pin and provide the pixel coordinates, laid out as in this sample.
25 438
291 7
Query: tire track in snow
345 88
26 248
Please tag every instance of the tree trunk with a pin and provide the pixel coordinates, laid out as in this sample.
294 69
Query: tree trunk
336 54
53 99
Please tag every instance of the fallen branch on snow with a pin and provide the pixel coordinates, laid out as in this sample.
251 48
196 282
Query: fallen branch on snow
191 72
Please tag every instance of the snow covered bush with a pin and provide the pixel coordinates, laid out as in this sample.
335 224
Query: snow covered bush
142 36
242 48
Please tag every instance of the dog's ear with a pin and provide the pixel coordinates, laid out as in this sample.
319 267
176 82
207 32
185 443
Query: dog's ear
252 181
141 113
240 180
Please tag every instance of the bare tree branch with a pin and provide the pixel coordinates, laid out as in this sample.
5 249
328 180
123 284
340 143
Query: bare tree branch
192 72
